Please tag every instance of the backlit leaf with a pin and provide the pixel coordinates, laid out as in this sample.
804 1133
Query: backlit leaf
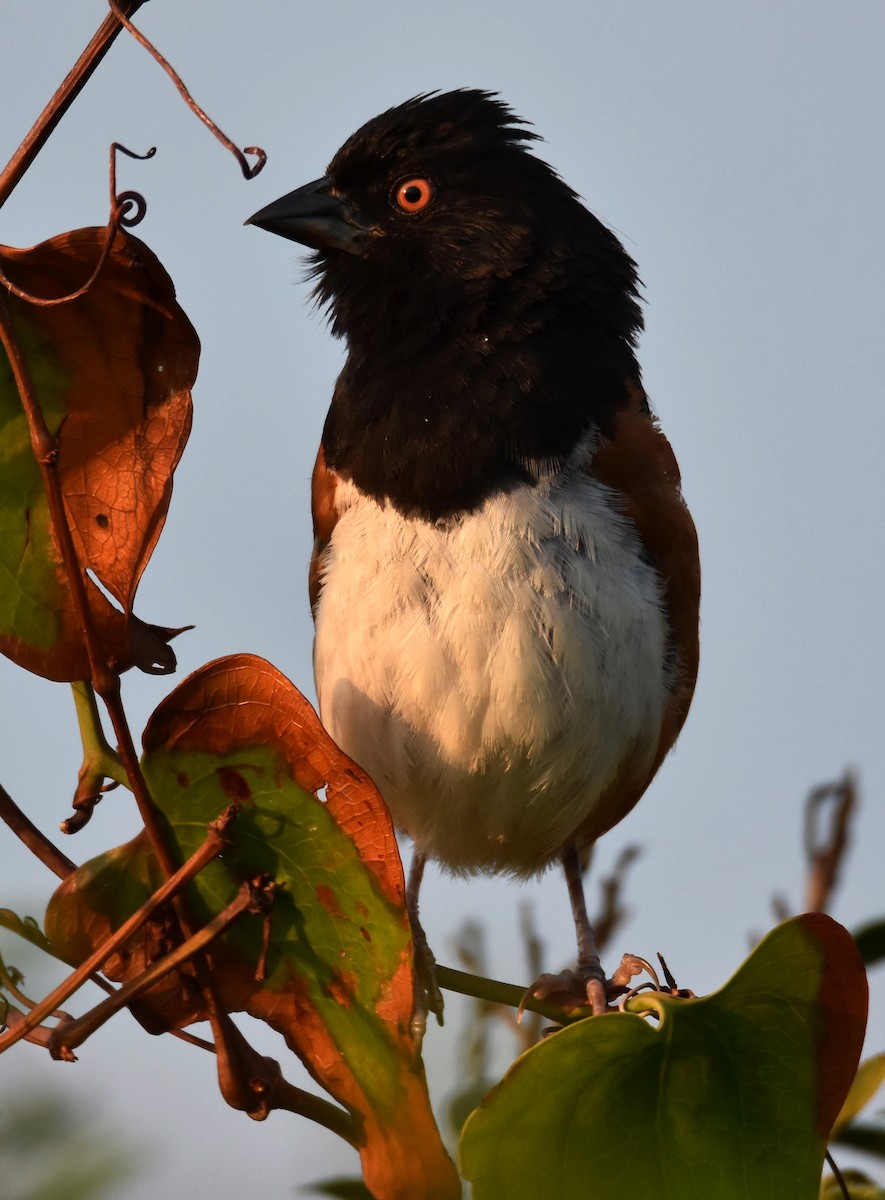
112 370
339 981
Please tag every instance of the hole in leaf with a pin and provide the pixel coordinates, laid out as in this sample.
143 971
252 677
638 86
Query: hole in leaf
109 596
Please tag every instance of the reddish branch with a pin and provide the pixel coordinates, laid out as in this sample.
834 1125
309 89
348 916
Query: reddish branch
215 842
73 84
25 829
250 170
67 1037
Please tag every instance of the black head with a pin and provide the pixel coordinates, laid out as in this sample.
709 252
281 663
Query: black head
439 199
481 301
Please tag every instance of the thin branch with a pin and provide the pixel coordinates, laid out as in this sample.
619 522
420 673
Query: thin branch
839 1177
64 97
613 911
250 170
826 853
215 841
67 1037
496 992
305 1104
25 829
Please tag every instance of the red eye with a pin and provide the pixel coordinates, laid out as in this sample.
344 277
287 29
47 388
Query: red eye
412 195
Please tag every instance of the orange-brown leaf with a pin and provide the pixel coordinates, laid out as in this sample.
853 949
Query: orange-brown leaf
112 370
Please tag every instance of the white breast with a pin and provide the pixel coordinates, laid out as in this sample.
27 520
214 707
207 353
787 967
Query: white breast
492 672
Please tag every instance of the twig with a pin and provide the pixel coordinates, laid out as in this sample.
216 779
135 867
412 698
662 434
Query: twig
840 1179
215 841
104 679
36 842
496 992
64 97
67 1037
250 170
613 912
826 854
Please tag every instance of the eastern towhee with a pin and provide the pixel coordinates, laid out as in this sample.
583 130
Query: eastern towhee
505 579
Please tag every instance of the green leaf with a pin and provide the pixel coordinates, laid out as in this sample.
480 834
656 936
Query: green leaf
729 1097
25 927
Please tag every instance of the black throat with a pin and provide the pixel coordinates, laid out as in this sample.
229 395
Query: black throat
443 404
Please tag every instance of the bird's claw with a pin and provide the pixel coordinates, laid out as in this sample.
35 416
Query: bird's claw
584 986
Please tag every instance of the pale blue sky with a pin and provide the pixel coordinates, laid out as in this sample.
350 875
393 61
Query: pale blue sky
737 150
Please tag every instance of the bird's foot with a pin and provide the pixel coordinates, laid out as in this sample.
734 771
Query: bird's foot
428 997
585 986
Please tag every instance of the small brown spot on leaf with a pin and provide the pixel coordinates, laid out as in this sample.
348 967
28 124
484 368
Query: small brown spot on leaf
102 520
365 933
234 785
182 779
341 989
328 899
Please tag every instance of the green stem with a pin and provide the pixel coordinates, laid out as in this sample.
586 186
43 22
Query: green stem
511 995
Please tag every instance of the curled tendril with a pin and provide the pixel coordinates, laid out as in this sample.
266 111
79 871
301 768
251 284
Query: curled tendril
250 170
129 208
648 986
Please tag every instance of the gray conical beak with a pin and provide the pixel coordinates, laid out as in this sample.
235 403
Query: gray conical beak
314 216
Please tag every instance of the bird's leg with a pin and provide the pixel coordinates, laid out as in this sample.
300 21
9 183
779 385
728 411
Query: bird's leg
428 997
590 970
586 986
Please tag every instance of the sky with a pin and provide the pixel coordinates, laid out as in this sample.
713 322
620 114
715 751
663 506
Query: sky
737 152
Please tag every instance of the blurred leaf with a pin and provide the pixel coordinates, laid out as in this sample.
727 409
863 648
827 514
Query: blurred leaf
871 942
463 1102
341 1189
52 1151
869 1078
113 371
860 1187
869 1138
731 1097
25 927
339 982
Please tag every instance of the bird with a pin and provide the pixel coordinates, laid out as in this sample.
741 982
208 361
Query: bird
505 579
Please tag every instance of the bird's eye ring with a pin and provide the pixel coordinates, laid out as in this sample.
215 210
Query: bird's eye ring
413 195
